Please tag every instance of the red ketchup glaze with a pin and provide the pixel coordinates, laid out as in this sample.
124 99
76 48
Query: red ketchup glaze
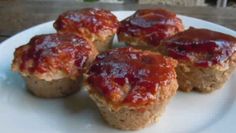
151 25
65 52
126 76
93 19
202 47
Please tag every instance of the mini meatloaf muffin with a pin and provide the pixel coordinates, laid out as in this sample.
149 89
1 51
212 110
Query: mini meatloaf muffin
52 64
98 25
206 58
130 87
147 27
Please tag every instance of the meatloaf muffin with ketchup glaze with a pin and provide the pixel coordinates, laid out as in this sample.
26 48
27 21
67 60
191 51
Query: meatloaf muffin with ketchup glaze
52 64
131 87
98 25
147 27
206 58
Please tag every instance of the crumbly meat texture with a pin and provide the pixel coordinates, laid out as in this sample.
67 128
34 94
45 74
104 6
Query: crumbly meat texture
205 80
52 89
104 45
54 56
130 77
128 118
98 25
147 27
206 58
131 87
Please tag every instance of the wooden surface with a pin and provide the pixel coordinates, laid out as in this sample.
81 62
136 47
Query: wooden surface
19 15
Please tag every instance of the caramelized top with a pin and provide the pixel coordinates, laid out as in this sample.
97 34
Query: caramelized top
151 25
93 19
66 53
201 46
126 76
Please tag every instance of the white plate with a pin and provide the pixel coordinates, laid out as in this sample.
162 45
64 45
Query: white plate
20 112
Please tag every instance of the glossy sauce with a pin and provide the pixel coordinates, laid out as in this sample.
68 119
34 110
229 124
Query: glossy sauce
65 52
131 77
93 19
201 46
151 25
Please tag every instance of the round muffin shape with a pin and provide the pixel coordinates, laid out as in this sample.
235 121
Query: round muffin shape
98 25
52 64
147 27
206 58
131 87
